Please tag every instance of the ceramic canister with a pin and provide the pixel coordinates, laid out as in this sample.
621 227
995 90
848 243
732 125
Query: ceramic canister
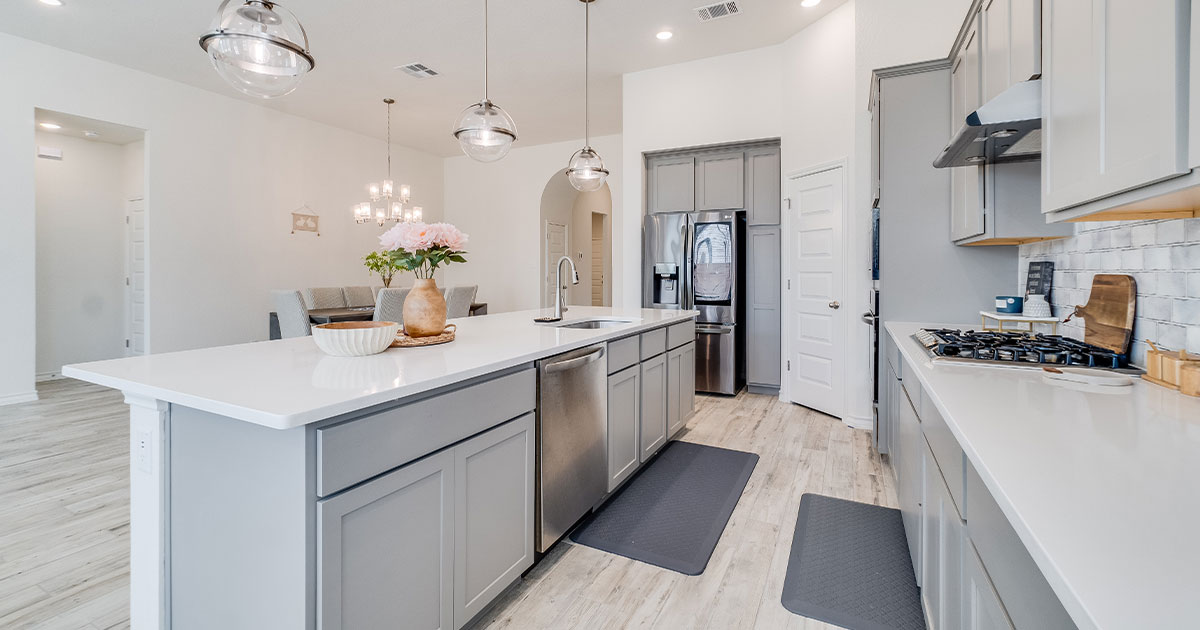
1009 303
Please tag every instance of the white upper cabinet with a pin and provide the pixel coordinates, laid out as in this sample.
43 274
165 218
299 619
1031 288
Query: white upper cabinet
1011 44
1114 107
966 182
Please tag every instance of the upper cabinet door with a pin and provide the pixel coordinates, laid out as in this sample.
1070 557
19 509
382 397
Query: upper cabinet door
966 183
719 181
1011 44
671 185
1113 116
763 186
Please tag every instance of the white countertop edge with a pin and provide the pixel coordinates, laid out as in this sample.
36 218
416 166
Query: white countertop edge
299 419
916 353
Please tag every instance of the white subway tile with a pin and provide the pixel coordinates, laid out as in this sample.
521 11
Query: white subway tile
1158 258
1172 284
1143 235
1193 284
1192 228
1133 259
1083 241
1078 261
1193 339
1186 312
1147 282
1170 232
1102 240
1122 237
1185 257
1171 336
1110 260
1156 308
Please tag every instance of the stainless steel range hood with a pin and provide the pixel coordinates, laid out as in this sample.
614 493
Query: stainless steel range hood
1007 128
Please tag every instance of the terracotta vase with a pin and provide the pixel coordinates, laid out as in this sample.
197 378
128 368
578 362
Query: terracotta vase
424 309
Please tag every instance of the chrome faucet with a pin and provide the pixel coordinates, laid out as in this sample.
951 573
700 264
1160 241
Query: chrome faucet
560 300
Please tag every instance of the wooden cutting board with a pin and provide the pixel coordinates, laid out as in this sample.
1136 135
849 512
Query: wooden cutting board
1108 314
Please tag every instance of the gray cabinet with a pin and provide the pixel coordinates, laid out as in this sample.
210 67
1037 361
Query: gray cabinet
1011 43
942 539
681 386
653 429
719 181
966 183
763 186
670 185
493 514
909 462
624 414
981 607
1114 102
385 551
763 330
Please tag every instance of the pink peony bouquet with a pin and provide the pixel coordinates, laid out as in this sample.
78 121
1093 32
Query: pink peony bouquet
422 248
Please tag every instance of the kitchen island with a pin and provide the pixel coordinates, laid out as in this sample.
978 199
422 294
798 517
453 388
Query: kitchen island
273 486
1079 503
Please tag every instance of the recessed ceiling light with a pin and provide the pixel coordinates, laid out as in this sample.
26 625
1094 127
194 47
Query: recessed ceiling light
808 4
665 35
90 134
50 126
53 3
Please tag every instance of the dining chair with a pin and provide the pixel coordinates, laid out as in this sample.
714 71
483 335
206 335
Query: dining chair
389 305
292 312
324 297
359 296
459 299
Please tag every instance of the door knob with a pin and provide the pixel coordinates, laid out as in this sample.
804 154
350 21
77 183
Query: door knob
835 304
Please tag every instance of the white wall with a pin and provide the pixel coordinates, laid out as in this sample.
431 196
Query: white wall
80 252
811 91
499 206
222 178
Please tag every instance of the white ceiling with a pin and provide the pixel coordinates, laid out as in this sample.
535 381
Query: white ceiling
78 126
536 55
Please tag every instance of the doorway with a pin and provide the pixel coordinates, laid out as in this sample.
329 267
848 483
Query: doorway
90 240
582 223
815 326
555 248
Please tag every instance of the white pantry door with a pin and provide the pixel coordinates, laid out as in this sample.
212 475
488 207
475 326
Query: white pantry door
135 278
815 317
556 248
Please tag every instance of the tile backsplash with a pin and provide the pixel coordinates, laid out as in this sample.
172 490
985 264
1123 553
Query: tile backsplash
1164 258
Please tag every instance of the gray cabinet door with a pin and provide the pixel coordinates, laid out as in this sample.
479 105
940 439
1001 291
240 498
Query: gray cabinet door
763 186
763 328
941 587
1011 43
653 428
674 373
671 185
493 514
719 181
966 182
385 551
981 607
624 415
910 481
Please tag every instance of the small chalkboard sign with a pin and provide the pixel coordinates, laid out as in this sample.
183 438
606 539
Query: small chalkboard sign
1040 278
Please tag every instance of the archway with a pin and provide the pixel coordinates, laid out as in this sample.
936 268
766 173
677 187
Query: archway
579 225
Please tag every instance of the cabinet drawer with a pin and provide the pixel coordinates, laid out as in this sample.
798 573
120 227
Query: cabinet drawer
361 448
1023 589
946 452
910 384
679 334
622 353
654 343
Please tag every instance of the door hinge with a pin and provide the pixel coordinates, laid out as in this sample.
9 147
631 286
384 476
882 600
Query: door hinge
789 288
789 202
126 280
789 366
126 343
127 219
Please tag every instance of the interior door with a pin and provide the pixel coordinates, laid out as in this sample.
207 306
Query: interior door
135 278
816 320
556 248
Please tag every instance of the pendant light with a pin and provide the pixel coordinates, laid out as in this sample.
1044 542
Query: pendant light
391 201
259 47
484 131
586 170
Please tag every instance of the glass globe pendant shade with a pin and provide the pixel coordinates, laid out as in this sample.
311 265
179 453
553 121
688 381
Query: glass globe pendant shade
485 131
586 170
258 47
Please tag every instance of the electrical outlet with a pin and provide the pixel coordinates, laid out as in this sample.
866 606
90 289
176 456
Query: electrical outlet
144 451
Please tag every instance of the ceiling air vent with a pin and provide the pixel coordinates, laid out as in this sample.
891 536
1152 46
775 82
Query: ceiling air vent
418 70
718 11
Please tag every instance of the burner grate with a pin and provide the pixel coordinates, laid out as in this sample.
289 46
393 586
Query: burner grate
1018 347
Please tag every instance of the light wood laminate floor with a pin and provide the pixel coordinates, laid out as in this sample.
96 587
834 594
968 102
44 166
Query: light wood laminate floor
64 522
64 509
799 450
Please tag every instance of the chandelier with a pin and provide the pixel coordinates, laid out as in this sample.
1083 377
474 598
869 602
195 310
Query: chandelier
386 203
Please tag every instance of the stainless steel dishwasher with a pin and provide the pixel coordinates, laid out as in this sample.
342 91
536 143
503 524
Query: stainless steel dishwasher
572 440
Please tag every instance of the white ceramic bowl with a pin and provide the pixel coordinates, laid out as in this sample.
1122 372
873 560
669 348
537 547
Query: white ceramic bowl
354 339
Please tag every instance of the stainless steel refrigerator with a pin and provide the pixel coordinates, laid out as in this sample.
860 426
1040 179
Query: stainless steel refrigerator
696 260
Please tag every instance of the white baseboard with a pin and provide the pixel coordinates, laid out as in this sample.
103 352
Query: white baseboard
23 397
48 376
865 424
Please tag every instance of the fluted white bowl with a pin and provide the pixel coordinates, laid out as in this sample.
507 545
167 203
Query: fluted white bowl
354 339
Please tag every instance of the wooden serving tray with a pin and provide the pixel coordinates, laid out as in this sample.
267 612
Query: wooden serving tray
1108 315
404 341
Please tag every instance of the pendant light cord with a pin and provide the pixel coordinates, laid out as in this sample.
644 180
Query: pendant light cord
389 136
587 30
485 51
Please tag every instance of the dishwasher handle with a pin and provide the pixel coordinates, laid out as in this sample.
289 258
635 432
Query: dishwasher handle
570 364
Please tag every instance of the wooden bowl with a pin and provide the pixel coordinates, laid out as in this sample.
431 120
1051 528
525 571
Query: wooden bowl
354 339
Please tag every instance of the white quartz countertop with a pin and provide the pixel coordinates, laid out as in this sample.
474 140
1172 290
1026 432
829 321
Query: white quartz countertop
1102 488
289 383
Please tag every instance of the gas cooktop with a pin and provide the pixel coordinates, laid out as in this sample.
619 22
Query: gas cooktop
1017 348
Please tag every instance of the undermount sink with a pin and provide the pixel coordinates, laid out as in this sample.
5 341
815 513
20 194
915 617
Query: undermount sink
595 323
